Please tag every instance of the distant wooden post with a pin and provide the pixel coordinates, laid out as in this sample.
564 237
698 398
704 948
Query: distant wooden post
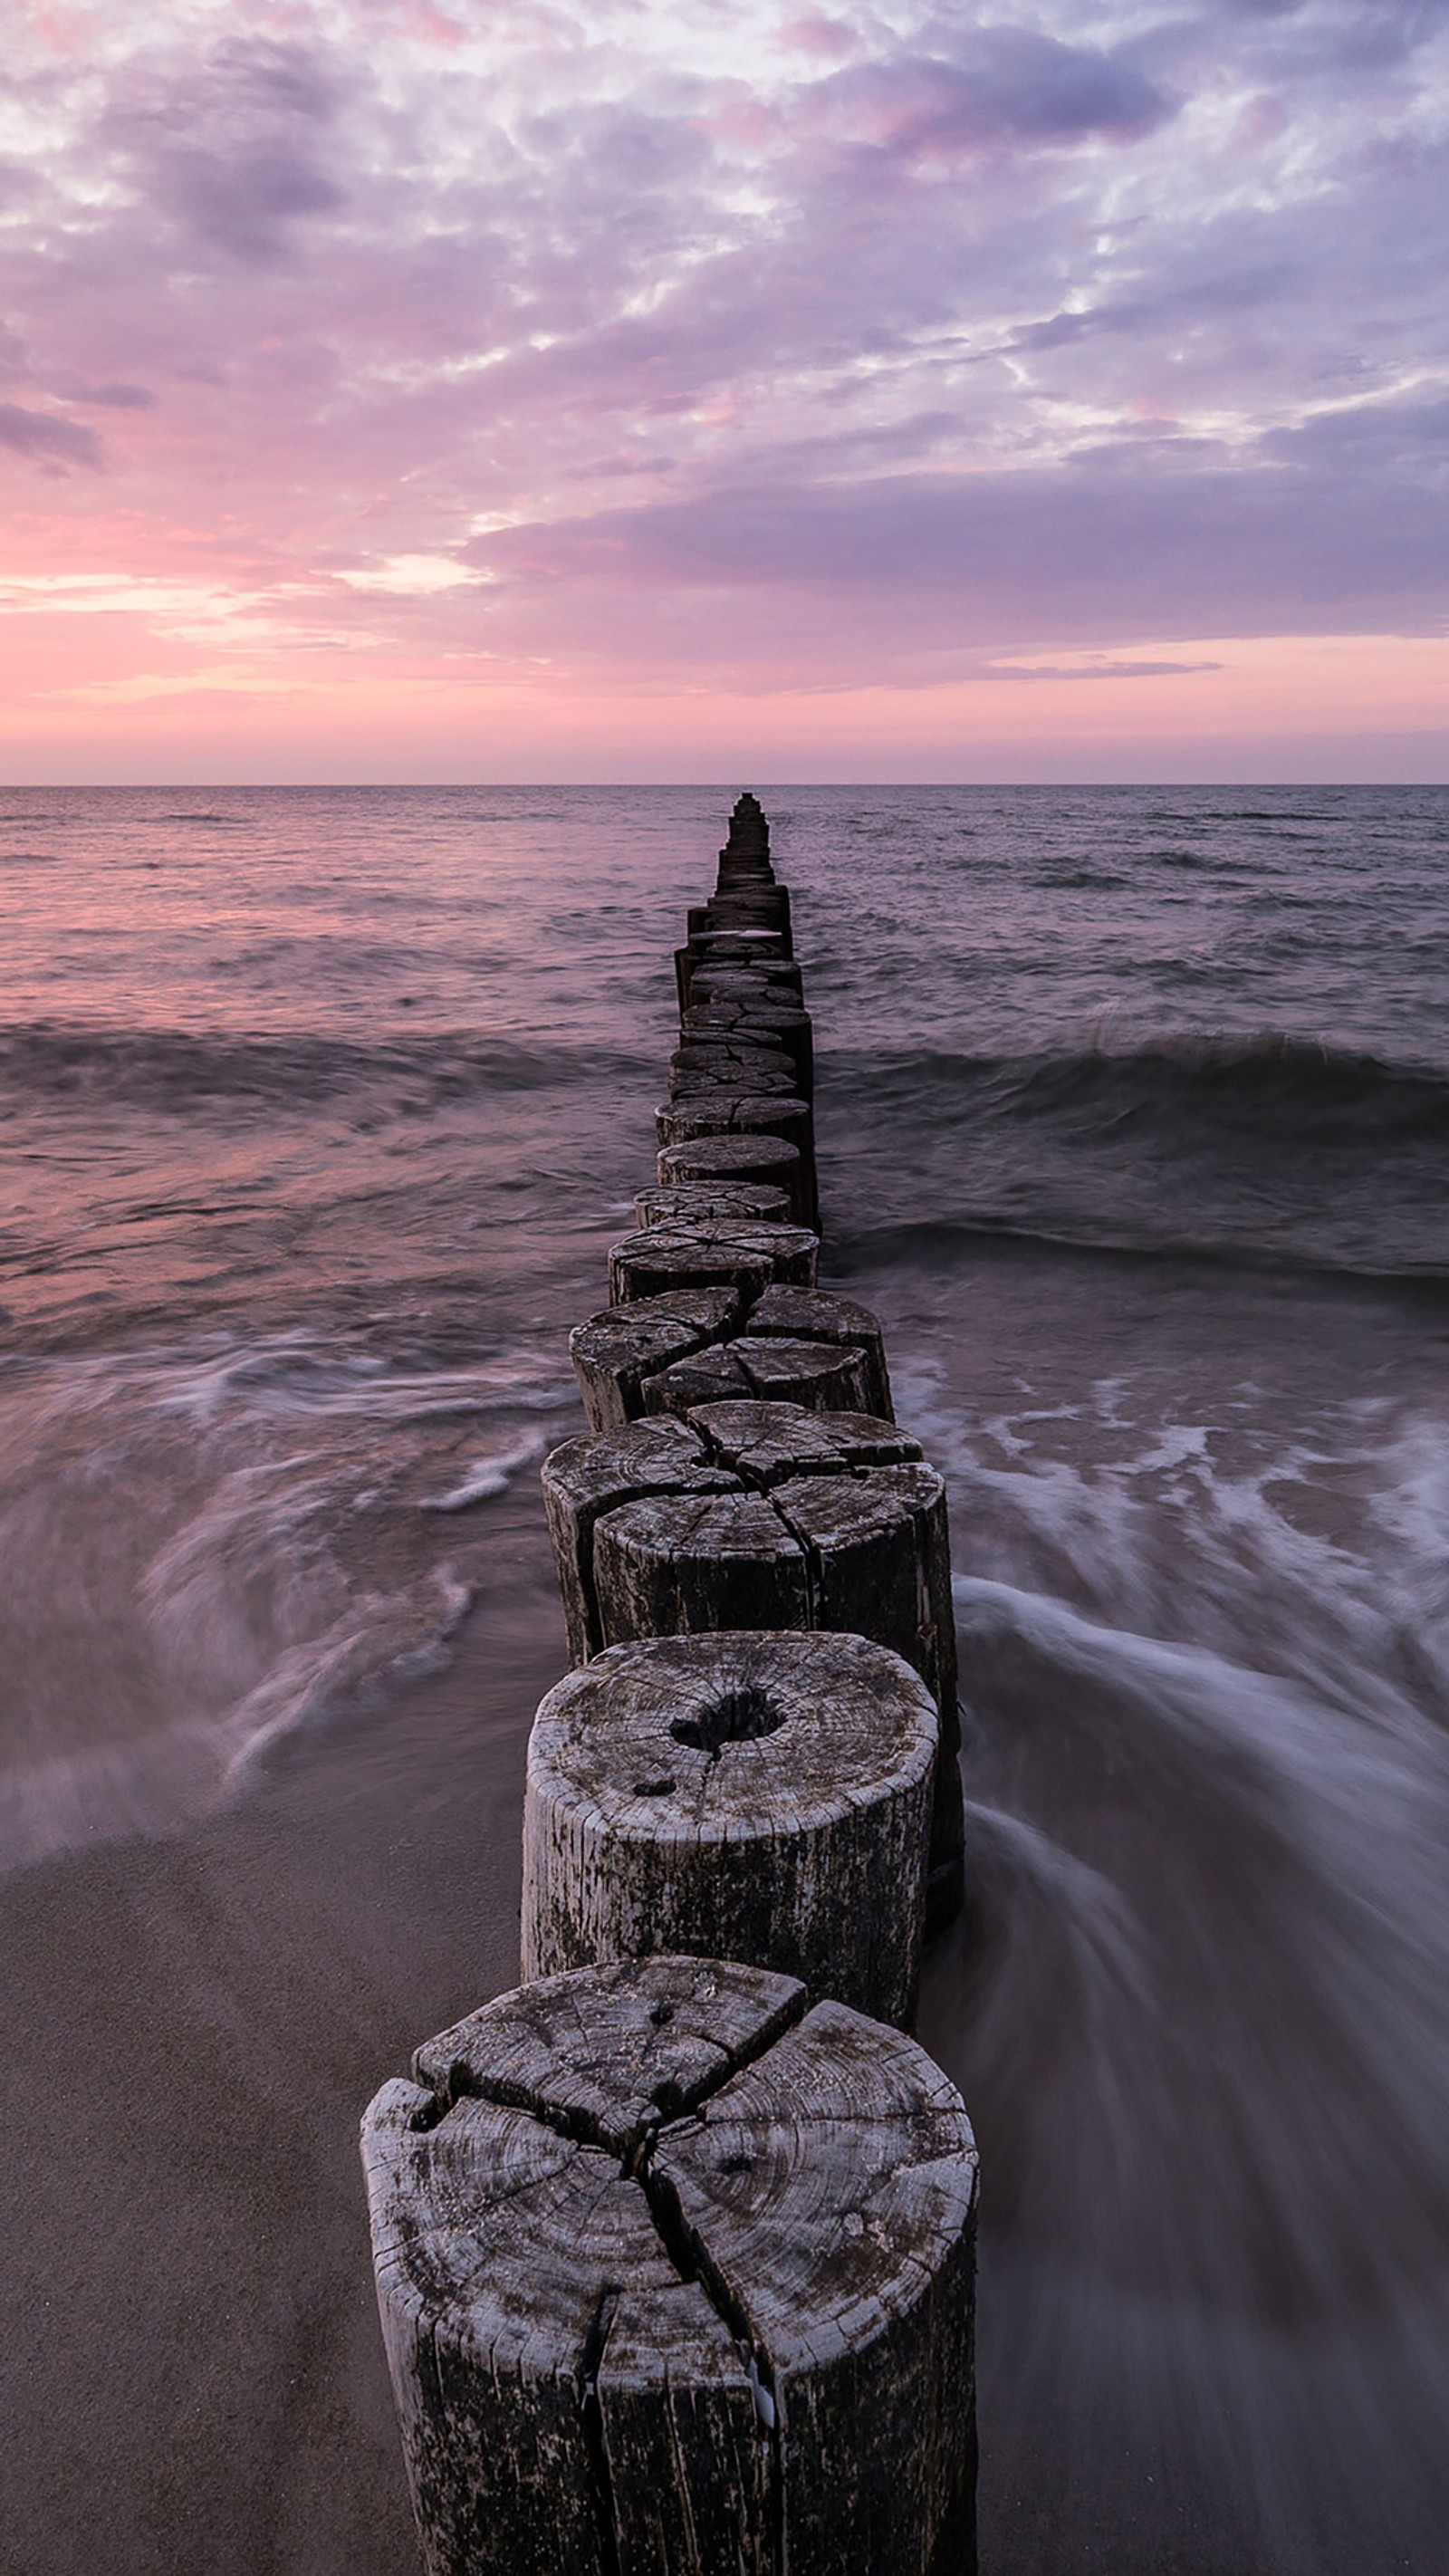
755 1797
693 1252
733 1110
706 1202
742 1158
677 2275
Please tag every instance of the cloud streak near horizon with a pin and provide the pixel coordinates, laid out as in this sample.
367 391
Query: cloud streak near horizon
391 352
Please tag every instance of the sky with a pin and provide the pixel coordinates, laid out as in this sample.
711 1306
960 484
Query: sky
423 389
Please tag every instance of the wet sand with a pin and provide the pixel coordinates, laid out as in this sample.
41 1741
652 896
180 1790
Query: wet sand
193 2374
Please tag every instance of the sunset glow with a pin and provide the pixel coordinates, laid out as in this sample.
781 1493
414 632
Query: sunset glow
396 391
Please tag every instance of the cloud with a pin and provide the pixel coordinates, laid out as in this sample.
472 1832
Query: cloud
117 397
665 341
998 85
234 147
1156 539
55 443
1099 670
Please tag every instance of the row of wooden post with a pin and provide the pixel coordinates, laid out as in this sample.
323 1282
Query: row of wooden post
674 2244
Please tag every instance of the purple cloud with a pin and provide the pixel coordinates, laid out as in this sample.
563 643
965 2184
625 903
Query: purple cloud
997 85
55 443
854 337
1161 540
114 397
234 148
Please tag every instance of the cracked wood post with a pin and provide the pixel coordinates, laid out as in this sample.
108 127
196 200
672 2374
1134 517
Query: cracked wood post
689 1344
763 1023
806 1313
734 1110
740 1158
676 2278
781 973
632 1360
725 1448
755 1797
616 1352
710 1119
825 1377
774 975
865 1551
709 1064
707 1202
880 1549
586 1478
699 1253
776 979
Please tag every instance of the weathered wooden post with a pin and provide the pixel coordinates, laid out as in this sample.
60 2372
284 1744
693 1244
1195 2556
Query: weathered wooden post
827 1377
741 1158
731 1110
676 2274
706 1202
755 1797
615 1354
865 1551
694 1252
584 1479
730 1063
799 1311
692 1344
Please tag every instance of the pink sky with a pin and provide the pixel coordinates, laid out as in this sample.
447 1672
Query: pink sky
405 391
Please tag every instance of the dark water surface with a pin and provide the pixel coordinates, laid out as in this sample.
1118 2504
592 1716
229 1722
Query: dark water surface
319 1110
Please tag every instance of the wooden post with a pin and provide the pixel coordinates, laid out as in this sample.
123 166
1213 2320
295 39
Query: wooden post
677 2275
866 1552
706 1202
614 1353
755 1797
824 1376
773 978
733 1060
764 1023
750 1257
717 1561
741 1158
587 1477
780 971
735 1112
819 1315
766 1442
673 1352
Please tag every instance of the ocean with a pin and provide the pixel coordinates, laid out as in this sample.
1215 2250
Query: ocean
320 1110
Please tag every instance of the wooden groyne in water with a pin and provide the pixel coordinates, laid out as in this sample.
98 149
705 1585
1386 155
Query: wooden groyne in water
675 2244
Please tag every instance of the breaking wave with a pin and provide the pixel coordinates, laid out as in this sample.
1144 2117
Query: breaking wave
1263 1149
1285 1088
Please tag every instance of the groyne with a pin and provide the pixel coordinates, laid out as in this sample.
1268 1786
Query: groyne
674 2244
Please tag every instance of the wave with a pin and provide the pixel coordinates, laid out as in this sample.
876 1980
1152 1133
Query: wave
1259 1151
177 1070
1272 1086
855 1249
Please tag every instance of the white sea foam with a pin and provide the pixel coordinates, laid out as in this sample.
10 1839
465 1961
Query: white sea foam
212 1550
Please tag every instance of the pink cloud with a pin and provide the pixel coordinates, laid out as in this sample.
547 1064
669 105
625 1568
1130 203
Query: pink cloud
777 373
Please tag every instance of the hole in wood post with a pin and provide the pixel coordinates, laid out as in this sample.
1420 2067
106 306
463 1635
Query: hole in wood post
739 1717
654 1788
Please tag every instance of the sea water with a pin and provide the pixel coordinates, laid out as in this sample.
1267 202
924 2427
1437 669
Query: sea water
320 1108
